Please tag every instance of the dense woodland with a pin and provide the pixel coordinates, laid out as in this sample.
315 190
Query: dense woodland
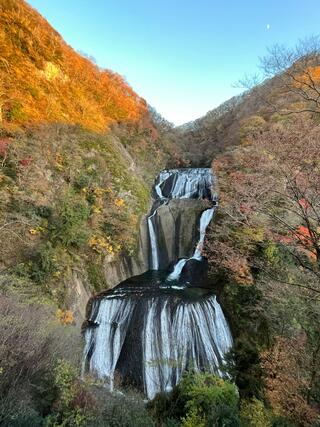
78 154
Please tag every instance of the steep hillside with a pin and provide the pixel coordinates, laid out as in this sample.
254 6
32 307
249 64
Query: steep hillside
203 139
79 150
73 137
263 248
45 80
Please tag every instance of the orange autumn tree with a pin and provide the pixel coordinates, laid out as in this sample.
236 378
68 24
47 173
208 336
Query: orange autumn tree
42 79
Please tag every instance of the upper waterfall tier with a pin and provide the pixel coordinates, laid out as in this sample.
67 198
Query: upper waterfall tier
175 216
185 184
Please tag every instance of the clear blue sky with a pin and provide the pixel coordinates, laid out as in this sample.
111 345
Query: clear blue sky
182 56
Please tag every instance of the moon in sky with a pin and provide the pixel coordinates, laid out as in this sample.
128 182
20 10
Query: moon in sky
268 26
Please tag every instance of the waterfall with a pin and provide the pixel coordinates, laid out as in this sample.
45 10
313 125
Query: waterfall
187 183
113 319
204 222
176 334
205 219
148 331
153 242
184 183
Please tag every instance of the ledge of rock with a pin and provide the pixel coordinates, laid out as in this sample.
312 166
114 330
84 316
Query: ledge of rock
177 224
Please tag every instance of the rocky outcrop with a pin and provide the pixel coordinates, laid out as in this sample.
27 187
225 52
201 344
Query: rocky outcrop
78 296
117 269
177 225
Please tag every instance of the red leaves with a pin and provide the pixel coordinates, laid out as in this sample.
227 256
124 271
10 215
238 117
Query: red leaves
301 238
305 239
4 147
303 233
304 203
25 162
285 240
245 208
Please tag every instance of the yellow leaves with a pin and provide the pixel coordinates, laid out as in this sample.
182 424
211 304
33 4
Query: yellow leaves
255 234
101 245
51 71
13 189
91 168
315 73
98 192
193 419
255 414
65 317
96 210
311 75
95 196
36 231
59 162
57 274
119 203
249 126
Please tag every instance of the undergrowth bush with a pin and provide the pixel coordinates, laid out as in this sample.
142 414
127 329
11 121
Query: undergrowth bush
68 225
32 340
254 414
198 400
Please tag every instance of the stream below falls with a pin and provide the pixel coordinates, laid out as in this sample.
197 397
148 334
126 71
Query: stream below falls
151 328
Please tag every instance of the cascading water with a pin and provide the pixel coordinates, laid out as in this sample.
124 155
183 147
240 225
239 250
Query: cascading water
153 242
204 222
147 331
184 184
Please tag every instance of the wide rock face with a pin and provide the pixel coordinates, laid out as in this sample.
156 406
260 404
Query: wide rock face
177 226
117 269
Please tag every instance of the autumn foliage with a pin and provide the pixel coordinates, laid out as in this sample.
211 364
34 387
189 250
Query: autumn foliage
285 382
265 245
42 79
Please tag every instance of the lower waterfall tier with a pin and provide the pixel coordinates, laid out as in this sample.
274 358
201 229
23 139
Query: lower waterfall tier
147 335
